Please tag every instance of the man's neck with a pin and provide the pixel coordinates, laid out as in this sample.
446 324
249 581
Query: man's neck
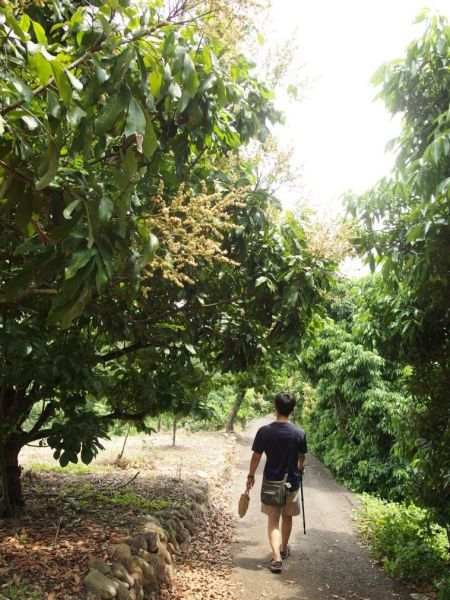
282 419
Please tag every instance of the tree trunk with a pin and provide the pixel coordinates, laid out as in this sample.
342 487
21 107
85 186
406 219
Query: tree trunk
120 455
158 426
174 429
11 500
235 409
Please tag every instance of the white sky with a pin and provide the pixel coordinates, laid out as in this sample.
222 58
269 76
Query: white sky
338 132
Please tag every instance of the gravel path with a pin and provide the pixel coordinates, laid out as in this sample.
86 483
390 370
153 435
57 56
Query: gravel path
327 563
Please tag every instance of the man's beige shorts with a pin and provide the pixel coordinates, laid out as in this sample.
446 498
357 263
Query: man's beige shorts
290 509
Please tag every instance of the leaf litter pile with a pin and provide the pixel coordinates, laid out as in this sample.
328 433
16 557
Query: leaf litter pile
71 518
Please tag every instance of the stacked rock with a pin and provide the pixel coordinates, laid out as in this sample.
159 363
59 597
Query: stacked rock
142 562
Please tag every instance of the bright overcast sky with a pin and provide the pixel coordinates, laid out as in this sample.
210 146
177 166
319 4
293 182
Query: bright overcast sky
338 132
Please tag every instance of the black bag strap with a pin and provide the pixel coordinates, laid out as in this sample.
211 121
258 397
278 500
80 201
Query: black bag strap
293 447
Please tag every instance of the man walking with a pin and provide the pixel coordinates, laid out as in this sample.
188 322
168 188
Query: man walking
285 448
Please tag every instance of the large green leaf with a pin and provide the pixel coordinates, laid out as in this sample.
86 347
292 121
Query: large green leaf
50 166
121 65
155 79
53 105
62 82
416 232
105 209
101 276
76 83
150 248
39 32
189 76
41 66
136 123
129 165
24 208
100 73
79 260
23 89
221 93
75 114
111 111
65 312
150 142
207 83
67 212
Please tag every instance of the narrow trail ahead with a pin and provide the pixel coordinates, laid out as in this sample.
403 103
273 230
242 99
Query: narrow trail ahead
325 564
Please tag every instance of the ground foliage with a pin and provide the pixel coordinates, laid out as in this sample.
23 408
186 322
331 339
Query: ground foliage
409 546
76 514
357 407
48 549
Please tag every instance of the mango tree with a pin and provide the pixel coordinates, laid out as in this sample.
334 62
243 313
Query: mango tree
137 255
106 110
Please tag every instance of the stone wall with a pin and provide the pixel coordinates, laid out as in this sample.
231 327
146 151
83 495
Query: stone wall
144 560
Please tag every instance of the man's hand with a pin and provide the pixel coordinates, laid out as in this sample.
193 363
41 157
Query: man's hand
254 462
301 464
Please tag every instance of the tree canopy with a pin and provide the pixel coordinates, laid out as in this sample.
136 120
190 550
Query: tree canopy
139 255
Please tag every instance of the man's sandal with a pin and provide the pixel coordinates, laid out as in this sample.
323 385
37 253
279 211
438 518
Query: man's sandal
275 566
285 553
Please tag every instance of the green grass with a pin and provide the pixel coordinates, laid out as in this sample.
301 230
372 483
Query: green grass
76 469
128 499
88 497
16 590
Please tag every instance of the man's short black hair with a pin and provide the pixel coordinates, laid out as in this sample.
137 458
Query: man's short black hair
285 403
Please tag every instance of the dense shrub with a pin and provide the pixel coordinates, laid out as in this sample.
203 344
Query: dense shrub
408 544
443 587
354 413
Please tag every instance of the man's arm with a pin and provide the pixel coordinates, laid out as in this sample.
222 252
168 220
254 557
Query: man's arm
301 463
254 462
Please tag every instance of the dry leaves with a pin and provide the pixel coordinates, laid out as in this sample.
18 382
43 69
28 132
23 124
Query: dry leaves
68 522
203 569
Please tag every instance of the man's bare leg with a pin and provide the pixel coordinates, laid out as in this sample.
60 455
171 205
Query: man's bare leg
274 536
286 528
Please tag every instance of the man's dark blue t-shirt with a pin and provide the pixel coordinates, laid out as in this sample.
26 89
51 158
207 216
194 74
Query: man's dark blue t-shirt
282 443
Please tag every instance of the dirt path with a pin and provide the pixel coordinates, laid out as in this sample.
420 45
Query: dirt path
327 563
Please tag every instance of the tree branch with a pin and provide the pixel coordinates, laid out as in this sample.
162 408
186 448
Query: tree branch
123 351
39 435
13 171
45 433
127 482
42 88
38 292
96 48
26 293
124 416
46 413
